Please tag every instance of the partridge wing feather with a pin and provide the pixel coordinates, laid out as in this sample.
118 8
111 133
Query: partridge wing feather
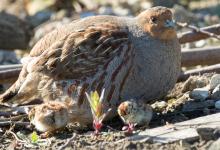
74 55
80 53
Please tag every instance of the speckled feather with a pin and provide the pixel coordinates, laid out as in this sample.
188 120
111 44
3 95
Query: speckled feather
135 112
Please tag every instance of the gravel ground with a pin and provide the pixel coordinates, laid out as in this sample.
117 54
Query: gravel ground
111 138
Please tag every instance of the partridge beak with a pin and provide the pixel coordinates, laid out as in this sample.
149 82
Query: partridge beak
169 24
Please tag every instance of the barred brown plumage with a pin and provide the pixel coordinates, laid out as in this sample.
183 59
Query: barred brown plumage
128 57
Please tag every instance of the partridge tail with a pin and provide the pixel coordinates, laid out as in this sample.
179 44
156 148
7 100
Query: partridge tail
17 94
9 94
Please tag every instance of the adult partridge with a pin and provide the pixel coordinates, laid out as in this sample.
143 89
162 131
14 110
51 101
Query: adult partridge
131 58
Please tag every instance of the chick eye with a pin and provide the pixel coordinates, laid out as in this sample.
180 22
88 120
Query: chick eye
153 20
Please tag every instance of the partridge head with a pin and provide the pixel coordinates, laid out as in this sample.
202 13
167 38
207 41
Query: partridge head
131 58
158 22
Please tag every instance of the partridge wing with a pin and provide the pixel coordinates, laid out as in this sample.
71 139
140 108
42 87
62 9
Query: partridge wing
77 55
80 53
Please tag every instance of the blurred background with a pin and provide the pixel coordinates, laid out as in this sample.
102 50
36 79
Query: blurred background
24 22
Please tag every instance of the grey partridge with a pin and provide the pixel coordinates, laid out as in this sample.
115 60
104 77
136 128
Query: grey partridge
131 58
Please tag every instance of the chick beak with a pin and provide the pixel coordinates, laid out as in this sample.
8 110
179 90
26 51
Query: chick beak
169 24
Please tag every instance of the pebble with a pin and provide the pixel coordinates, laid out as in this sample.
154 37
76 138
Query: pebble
199 94
161 104
207 133
195 82
106 10
217 104
119 11
216 93
200 43
215 80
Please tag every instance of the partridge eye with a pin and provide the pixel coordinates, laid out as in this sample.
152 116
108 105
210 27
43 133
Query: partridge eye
153 20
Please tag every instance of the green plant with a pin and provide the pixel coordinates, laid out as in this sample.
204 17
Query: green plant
34 137
96 105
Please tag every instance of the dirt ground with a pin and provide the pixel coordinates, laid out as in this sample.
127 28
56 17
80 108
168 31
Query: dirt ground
111 137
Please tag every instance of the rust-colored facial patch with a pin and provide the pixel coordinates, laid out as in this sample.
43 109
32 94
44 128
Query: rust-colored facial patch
154 22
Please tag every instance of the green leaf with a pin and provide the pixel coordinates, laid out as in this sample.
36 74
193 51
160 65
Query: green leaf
95 97
95 100
95 104
34 137
98 110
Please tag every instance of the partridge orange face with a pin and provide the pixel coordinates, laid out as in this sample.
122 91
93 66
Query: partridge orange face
158 23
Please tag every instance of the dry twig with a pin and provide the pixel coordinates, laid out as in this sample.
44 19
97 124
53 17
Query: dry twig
196 29
9 76
9 67
198 33
14 118
200 56
209 69
8 111
16 123
16 137
68 142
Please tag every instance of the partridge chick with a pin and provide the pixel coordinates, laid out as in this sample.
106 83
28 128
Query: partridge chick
49 117
135 113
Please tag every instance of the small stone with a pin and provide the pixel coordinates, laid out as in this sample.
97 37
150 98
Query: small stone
161 104
208 133
106 10
200 43
216 93
215 80
122 11
217 104
199 94
195 82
